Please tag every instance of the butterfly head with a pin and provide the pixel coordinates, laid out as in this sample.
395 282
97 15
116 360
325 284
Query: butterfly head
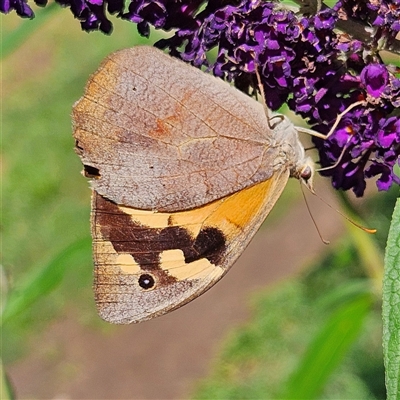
305 173
301 166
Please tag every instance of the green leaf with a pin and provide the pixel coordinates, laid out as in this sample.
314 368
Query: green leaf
391 307
328 349
342 294
3 289
41 281
6 392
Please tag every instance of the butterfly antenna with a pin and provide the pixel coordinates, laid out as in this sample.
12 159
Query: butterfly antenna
324 241
363 228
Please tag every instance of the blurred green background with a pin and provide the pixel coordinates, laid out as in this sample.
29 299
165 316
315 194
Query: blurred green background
315 335
46 202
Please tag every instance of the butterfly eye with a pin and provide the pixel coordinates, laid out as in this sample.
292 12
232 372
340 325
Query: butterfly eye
306 174
146 281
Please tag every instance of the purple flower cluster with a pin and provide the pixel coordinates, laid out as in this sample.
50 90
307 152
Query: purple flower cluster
318 73
165 15
20 6
301 60
383 16
366 142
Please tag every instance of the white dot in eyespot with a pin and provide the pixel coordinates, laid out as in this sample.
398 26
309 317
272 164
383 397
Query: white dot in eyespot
146 281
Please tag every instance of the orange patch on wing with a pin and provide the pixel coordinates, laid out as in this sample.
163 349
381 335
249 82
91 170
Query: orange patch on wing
162 130
240 211
232 214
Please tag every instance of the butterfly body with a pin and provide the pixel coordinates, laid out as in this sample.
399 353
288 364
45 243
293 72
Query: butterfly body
184 169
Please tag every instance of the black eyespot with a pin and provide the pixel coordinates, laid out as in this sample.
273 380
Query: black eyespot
306 173
146 281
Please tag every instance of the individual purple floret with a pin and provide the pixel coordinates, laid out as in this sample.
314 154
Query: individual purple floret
20 6
374 78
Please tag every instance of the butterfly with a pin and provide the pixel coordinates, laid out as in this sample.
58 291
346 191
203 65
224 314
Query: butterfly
184 168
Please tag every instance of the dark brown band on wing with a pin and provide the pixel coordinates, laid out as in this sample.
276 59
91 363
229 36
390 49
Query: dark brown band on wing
145 244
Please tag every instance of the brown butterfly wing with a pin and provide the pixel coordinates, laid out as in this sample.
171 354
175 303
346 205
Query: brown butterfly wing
155 133
148 263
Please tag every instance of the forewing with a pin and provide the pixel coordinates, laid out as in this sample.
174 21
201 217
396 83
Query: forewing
149 263
157 134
